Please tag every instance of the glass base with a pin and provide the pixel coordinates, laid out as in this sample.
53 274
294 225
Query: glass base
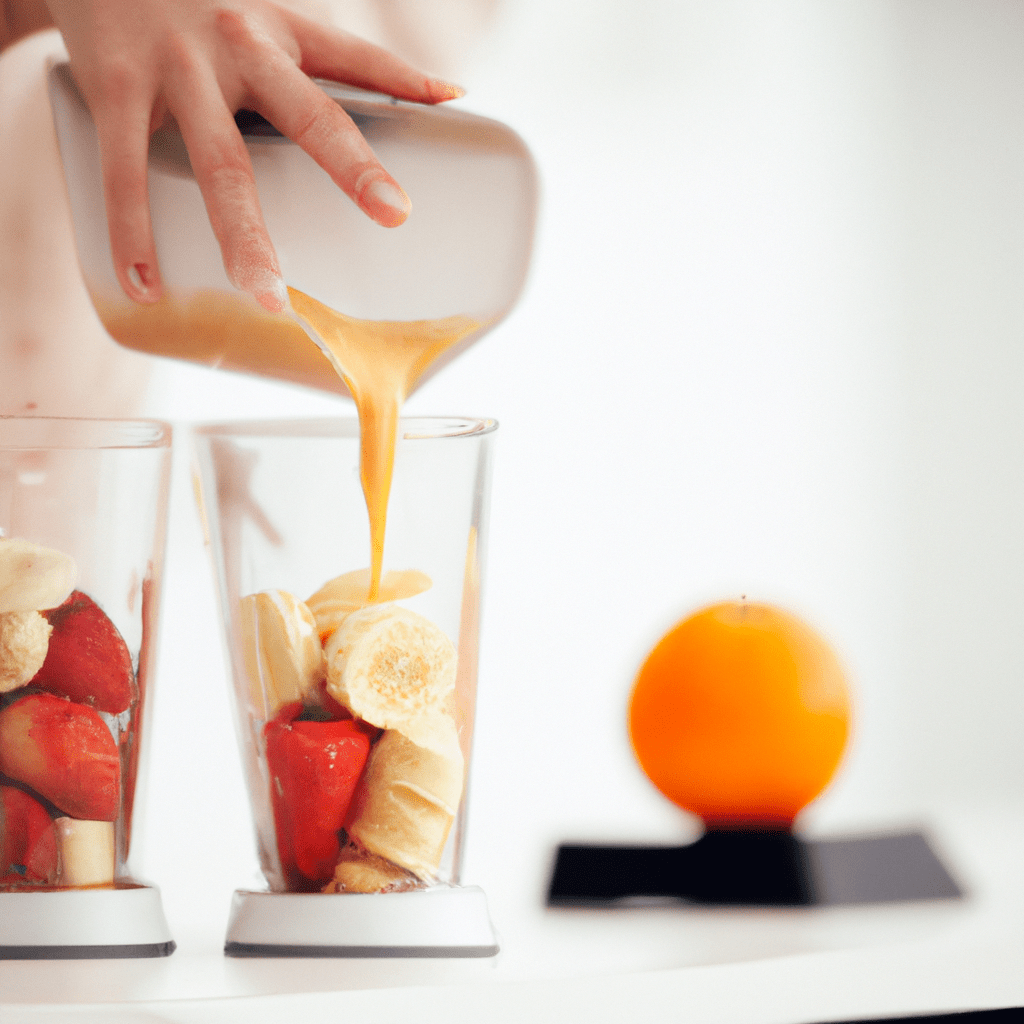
83 924
452 922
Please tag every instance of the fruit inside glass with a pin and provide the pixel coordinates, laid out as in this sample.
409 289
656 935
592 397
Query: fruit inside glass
354 715
83 508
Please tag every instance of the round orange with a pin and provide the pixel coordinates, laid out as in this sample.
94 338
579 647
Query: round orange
740 714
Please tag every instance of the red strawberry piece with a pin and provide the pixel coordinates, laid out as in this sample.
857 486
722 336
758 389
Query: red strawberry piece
87 660
28 844
286 714
314 768
65 752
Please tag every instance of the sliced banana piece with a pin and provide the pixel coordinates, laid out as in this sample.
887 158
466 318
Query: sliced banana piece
24 641
283 656
391 667
359 871
339 597
33 578
407 800
85 852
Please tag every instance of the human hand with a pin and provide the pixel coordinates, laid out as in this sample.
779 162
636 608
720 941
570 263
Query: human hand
200 61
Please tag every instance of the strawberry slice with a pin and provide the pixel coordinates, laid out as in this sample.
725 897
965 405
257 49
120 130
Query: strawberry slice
65 752
314 768
87 660
28 843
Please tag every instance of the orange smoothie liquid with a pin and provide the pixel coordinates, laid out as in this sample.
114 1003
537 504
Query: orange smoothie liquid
380 362
223 330
377 362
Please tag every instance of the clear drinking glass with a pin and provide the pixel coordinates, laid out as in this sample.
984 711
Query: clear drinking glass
286 519
83 513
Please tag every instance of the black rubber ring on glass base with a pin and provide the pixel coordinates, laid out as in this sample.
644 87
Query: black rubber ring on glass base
137 951
251 949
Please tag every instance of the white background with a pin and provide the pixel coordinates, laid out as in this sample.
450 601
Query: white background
771 345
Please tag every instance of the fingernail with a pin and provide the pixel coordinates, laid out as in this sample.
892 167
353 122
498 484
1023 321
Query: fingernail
274 296
384 193
444 91
143 279
251 274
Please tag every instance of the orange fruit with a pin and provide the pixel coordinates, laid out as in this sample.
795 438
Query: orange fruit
740 715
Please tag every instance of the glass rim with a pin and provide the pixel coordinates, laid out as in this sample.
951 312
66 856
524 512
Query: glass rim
80 433
410 428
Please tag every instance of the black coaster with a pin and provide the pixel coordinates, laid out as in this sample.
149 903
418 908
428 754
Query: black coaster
755 868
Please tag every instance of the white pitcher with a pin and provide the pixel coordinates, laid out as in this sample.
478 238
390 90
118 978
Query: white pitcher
464 249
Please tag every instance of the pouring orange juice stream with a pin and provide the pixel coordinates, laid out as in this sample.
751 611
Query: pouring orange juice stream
380 362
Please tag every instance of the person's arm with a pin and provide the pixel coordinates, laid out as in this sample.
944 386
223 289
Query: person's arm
19 18
200 61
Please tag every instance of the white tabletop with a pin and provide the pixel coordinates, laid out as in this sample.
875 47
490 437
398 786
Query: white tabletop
655 963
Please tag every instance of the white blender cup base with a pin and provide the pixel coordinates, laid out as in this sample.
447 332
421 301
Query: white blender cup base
83 924
443 922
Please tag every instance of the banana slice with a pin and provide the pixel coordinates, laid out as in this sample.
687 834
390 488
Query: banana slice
339 597
391 667
33 578
407 800
24 641
359 871
85 852
283 656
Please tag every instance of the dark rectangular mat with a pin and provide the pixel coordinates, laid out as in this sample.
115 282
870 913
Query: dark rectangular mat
753 868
